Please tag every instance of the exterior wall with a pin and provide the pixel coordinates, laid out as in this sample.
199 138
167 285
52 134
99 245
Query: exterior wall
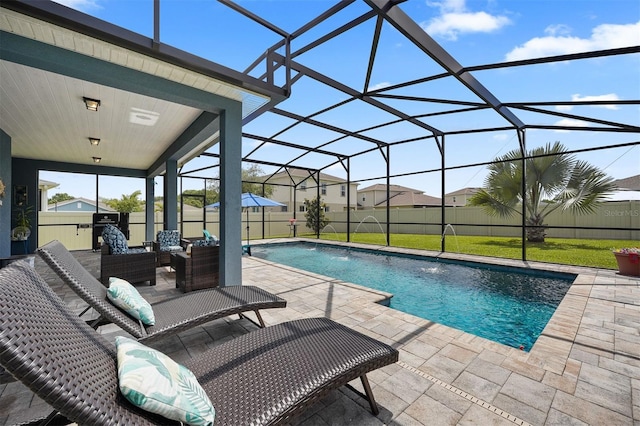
76 206
333 198
458 200
24 172
368 199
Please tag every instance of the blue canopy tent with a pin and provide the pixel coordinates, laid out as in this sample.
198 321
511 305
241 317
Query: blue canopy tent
250 200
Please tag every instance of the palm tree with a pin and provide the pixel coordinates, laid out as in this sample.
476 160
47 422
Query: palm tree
554 180
127 203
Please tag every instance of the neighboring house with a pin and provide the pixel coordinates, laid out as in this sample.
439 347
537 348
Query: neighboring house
375 196
79 205
460 197
43 192
628 189
628 184
333 190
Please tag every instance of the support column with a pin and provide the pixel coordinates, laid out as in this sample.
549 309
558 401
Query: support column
170 216
349 199
230 191
149 209
6 203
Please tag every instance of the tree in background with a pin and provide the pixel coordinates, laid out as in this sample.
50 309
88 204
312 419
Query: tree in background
60 197
554 180
127 203
314 213
255 174
251 178
196 197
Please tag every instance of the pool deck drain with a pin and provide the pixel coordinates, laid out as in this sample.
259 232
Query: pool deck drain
465 395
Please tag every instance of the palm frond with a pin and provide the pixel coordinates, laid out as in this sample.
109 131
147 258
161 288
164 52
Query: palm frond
586 188
493 204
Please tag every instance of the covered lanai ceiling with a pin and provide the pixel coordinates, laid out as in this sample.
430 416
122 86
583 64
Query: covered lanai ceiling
156 103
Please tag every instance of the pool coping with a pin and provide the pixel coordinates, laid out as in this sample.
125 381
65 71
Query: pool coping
552 349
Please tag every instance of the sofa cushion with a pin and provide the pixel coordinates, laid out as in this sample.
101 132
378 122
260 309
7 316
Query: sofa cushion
204 243
137 250
115 239
168 240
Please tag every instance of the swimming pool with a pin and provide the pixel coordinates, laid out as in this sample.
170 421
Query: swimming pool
506 305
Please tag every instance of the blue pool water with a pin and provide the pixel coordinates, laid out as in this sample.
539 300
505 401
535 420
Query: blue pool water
506 305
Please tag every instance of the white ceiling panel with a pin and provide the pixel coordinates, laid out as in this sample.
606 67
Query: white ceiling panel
46 118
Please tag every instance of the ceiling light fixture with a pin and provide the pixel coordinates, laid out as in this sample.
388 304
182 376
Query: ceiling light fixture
97 159
92 104
94 141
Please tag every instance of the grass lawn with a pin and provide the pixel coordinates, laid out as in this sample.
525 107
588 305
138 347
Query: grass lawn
594 253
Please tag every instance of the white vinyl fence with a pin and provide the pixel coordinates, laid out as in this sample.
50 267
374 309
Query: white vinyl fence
75 232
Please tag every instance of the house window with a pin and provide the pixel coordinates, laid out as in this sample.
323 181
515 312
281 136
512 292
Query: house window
303 186
302 208
284 209
343 190
323 189
326 209
79 204
363 198
454 198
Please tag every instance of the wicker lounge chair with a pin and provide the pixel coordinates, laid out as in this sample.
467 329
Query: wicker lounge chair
173 315
70 366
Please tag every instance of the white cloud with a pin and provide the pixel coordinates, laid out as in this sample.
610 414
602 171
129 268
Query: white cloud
455 19
559 42
578 98
570 122
558 29
564 107
379 86
81 5
448 5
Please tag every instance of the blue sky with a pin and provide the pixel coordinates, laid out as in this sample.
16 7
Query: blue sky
473 32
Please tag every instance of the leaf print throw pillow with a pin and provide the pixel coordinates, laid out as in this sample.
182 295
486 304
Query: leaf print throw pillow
154 382
126 297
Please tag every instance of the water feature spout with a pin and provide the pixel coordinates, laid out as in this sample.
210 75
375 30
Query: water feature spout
450 226
334 231
369 217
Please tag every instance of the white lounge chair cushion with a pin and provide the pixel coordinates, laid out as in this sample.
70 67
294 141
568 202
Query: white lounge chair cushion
126 297
154 382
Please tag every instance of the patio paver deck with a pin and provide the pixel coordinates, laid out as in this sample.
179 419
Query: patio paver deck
584 368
